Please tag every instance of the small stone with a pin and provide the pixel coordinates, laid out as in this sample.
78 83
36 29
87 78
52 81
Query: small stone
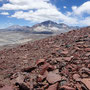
85 69
46 67
22 86
76 77
40 78
53 77
87 54
88 65
87 49
78 86
86 82
64 52
20 82
20 79
40 61
63 82
28 69
53 87
85 72
59 59
7 88
66 88
67 58
56 71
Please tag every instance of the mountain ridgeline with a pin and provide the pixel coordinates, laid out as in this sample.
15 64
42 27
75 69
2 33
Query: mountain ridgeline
47 27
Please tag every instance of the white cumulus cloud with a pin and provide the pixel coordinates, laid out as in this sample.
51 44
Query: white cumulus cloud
42 10
84 8
86 21
26 4
4 13
43 15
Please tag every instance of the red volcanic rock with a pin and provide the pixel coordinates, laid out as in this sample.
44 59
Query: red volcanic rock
58 59
53 87
20 79
78 86
40 61
85 72
22 86
87 49
87 54
40 78
86 82
88 65
66 88
65 52
7 88
28 69
46 67
67 58
53 77
76 77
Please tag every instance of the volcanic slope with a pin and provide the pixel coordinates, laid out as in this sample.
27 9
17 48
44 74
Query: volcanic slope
60 62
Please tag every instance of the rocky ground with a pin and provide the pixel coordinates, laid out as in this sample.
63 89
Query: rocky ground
60 62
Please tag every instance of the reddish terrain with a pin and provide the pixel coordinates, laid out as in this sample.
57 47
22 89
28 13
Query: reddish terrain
60 62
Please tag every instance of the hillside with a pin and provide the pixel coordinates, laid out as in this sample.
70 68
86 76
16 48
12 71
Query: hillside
60 62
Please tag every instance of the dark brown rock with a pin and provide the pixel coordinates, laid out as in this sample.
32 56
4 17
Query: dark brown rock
22 86
28 69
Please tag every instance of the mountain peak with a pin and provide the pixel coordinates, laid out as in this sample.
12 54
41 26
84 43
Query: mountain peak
14 27
49 22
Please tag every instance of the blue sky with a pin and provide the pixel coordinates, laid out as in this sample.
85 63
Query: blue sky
30 12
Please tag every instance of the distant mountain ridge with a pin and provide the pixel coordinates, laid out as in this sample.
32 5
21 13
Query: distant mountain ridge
42 28
51 26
